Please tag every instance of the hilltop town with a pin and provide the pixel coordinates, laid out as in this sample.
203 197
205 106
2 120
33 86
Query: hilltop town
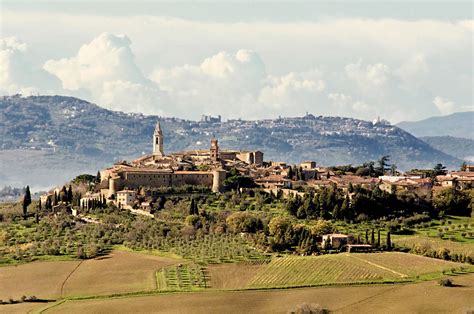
135 184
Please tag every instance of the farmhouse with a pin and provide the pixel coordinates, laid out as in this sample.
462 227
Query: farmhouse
352 248
335 240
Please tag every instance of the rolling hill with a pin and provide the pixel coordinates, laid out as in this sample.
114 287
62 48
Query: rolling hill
47 140
458 124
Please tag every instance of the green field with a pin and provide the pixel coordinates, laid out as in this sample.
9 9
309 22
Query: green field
181 277
431 246
294 271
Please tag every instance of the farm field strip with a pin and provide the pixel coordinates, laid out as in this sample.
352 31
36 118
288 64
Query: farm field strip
346 268
408 264
181 277
381 267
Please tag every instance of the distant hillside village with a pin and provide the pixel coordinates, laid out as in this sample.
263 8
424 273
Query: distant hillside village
135 185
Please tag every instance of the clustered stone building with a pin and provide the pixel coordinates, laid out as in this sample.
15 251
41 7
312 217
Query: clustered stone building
205 168
208 168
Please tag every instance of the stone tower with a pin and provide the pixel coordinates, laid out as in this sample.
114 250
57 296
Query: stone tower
158 141
214 151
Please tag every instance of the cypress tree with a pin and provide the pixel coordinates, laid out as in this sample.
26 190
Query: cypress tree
69 195
350 188
366 236
48 204
63 194
290 173
196 210
191 207
389 241
372 239
378 238
26 201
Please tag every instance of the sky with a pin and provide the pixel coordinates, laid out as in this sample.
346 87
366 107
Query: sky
398 60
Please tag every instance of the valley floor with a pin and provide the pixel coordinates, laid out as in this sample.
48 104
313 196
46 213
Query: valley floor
425 297
125 281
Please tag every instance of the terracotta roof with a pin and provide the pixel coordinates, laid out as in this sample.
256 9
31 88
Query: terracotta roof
273 178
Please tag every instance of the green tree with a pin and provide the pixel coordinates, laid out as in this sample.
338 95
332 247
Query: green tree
290 173
452 202
193 208
378 238
393 170
463 166
350 188
26 201
438 170
383 165
69 194
389 241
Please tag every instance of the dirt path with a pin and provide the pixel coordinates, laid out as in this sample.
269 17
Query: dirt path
69 276
379 266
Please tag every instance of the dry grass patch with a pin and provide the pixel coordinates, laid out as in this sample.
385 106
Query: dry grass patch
425 297
118 272
41 279
231 276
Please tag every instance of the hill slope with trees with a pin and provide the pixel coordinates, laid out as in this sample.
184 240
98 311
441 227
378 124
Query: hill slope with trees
48 139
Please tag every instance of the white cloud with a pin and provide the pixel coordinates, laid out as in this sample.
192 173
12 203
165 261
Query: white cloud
413 72
444 106
292 90
17 74
405 63
106 68
236 84
127 96
370 77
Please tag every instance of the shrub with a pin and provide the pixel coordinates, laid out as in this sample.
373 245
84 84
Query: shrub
446 282
306 308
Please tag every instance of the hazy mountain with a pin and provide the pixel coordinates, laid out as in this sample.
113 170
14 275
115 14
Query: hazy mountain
462 148
46 140
458 124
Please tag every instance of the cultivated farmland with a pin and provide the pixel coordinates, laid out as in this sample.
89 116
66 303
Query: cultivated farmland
41 279
118 272
430 246
211 249
295 271
409 265
424 297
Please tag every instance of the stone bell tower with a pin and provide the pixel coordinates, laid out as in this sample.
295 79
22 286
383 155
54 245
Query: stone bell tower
158 141
214 151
